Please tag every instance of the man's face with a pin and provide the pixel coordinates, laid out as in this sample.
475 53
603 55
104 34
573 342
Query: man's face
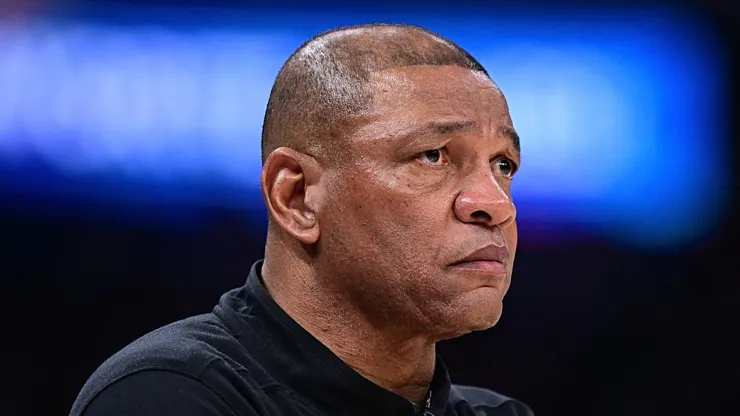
425 182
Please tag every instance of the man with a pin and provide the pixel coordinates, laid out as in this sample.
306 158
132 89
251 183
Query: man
388 157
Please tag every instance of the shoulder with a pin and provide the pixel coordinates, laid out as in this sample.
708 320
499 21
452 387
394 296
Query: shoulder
177 355
156 392
481 399
186 346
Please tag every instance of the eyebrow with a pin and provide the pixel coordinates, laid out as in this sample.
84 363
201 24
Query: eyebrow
453 127
450 127
509 132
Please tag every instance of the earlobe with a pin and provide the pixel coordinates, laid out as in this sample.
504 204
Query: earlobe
289 180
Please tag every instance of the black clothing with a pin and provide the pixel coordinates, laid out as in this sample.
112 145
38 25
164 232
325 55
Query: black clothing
248 357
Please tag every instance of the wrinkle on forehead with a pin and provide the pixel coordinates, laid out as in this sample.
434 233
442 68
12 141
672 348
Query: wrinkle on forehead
408 98
409 77
438 91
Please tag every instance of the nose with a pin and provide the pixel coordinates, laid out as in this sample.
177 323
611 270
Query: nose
485 203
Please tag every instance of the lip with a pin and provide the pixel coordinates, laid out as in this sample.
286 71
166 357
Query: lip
489 259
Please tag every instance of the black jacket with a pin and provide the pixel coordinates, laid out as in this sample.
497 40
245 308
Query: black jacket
248 357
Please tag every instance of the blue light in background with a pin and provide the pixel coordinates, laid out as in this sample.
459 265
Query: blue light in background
618 114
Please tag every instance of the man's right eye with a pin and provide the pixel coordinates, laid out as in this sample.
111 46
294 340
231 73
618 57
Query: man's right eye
434 157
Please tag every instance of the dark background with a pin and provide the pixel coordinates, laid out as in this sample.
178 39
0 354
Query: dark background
585 323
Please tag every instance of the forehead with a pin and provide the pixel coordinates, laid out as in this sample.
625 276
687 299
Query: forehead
418 93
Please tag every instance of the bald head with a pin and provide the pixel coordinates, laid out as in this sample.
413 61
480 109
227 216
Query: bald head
325 82
395 162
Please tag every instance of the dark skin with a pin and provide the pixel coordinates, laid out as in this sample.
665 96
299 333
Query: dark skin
361 245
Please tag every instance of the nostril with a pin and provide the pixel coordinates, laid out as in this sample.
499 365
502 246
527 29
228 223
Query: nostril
481 216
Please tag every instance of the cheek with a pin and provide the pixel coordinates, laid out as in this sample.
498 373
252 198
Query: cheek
512 237
394 210
390 219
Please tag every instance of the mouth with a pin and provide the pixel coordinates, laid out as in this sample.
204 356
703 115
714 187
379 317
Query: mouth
495 268
490 260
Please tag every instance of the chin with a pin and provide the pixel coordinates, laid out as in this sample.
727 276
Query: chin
482 308
480 319
468 327
475 317
486 322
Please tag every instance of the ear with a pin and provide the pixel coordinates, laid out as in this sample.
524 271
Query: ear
290 186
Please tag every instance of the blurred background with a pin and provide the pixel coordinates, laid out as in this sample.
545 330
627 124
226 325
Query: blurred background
129 187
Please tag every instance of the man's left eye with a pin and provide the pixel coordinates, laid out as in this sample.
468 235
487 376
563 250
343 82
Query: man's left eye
504 167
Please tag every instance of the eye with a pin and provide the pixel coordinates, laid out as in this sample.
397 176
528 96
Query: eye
504 167
434 157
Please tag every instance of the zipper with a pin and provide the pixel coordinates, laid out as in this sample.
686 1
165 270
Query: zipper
419 411
427 405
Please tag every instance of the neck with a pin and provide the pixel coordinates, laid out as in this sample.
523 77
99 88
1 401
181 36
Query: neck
401 364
